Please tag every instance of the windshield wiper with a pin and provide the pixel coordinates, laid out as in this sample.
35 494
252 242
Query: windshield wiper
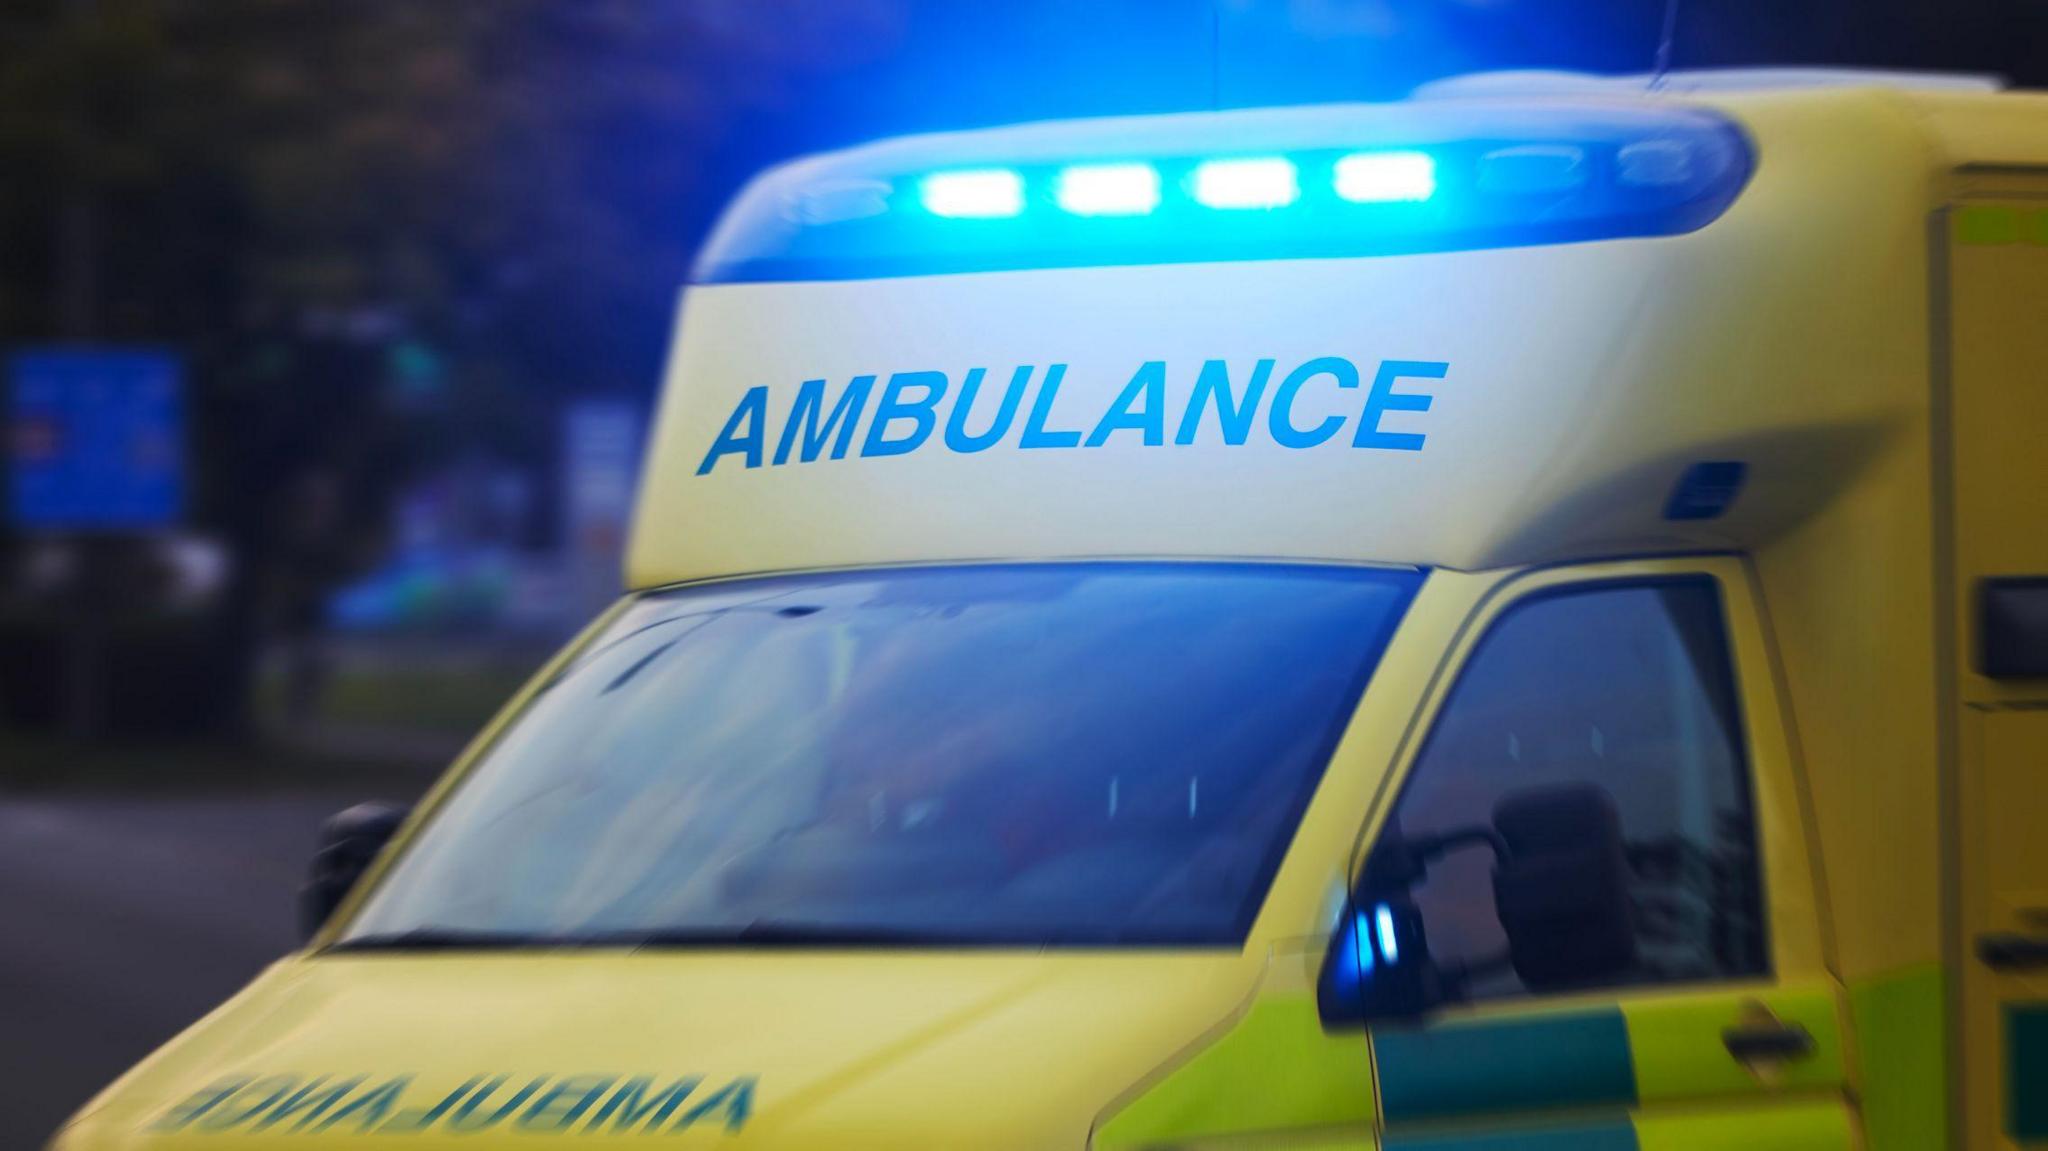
763 933
448 939
787 933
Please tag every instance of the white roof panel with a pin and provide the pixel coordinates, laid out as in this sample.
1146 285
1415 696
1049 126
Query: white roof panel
1701 81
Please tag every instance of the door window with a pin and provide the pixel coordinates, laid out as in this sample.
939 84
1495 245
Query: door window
1625 689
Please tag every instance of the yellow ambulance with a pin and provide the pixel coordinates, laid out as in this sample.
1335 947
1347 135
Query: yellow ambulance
1513 620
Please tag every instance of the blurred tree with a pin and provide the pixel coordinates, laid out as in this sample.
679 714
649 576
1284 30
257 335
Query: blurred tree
382 231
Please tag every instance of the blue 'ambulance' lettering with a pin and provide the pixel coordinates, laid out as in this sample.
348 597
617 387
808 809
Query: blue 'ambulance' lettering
921 411
1383 399
560 1106
925 390
541 1104
1285 432
1035 435
804 418
371 1108
309 1103
471 1116
743 431
1233 412
957 436
1140 407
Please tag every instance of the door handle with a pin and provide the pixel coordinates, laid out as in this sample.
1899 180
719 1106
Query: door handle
2006 951
1767 1043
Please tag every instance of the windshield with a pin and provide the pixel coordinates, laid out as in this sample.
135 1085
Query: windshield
1044 755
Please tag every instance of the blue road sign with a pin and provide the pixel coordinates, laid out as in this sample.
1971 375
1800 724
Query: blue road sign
96 439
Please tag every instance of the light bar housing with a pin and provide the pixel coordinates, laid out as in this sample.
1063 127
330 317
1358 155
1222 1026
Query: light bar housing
1482 174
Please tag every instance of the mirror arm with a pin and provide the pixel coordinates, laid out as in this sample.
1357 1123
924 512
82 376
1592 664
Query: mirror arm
1435 848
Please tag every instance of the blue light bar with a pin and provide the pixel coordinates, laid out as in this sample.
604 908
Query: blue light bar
983 194
1108 189
1338 181
1385 177
1253 182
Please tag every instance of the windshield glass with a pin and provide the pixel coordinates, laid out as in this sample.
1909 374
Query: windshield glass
1046 755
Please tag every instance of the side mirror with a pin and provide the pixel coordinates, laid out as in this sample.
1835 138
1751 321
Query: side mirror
1561 894
1379 966
1562 888
348 842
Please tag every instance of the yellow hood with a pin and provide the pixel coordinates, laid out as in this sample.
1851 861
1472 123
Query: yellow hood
750 1050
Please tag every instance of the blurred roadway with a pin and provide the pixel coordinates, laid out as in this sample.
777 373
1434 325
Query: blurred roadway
124 918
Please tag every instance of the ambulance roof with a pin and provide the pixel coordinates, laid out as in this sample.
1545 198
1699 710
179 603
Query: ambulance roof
1705 81
1970 118
1582 321
869 210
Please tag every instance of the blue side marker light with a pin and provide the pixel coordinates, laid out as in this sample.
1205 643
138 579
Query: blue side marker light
1706 490
1383 919
979 194
1108 189
1386 177
1256 182
1361 942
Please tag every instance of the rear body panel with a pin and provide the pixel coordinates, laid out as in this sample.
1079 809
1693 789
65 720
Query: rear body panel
1996 244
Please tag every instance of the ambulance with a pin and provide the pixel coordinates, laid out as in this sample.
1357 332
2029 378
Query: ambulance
1515 619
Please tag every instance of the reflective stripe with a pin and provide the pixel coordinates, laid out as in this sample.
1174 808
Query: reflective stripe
1594 1137
2026 1067
1542 1063
1502 1084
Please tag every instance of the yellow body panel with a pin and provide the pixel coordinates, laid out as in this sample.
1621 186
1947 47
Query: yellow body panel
1884 385
1678 1055
1788 1127
841 1050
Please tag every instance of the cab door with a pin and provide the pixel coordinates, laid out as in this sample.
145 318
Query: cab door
1711 1021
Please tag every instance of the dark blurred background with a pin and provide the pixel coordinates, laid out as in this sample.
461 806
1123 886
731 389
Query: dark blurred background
330 329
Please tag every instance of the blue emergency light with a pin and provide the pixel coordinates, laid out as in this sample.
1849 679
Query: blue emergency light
1259 182
987 194
1108 189
1385 177
1342 180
